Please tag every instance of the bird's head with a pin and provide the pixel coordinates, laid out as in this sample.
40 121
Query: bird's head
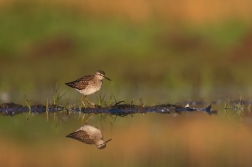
101 144
100 75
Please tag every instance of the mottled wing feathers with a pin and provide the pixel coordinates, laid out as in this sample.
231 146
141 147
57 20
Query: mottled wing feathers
82 136
80 83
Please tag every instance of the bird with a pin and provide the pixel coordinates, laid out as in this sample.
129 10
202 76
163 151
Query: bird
88 85
90 135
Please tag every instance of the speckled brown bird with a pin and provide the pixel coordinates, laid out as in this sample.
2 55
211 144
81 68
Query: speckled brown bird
88 84
90 135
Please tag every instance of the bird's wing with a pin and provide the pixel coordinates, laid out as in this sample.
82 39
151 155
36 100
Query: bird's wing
80 83
82 136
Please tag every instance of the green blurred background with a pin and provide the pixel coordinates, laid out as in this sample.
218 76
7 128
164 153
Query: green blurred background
153 51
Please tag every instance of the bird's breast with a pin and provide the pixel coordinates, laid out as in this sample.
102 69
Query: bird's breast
91 89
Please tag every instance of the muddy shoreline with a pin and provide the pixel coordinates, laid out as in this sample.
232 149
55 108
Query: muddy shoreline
11 109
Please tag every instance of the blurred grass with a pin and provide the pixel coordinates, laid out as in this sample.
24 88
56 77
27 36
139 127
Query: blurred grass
45 45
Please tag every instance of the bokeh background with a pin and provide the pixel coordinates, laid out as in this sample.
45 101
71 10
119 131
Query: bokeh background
154 52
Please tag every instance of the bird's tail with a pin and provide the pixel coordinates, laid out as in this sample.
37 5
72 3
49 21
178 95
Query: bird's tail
70 84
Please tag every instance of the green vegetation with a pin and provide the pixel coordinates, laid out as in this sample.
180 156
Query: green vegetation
29 107
44 47
236 109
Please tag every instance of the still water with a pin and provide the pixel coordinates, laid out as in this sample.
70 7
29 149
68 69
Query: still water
142 139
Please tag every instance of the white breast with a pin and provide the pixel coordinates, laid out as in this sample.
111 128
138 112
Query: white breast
90 89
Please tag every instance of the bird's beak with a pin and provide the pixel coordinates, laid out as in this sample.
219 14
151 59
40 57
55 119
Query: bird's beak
107 78
108 140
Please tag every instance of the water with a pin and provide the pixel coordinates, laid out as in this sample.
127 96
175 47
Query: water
145 138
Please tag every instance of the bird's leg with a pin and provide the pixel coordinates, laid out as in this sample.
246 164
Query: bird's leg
92 104
82 101
82 119
89 117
